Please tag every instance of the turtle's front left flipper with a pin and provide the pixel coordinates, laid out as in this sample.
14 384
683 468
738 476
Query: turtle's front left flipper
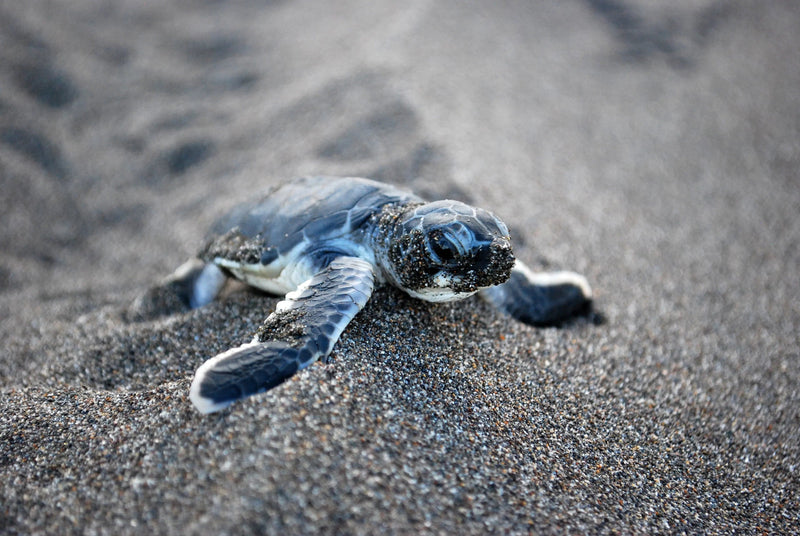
541 299
303 328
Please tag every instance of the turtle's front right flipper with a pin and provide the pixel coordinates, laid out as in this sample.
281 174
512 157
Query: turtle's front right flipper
541 299
303 328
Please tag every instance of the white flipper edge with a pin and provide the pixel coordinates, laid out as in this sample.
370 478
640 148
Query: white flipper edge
304 328
541 299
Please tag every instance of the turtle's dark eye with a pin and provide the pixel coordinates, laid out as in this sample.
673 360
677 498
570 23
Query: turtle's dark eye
442 247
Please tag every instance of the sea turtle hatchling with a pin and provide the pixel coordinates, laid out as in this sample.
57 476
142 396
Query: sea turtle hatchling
325 242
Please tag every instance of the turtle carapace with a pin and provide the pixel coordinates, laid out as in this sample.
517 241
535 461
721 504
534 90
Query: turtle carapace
325 243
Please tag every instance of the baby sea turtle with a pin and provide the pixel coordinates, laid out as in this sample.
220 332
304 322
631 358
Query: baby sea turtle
325 242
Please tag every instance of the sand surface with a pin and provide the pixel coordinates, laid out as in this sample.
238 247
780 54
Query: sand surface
652 146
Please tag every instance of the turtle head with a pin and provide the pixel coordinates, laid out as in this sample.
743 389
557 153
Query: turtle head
446 250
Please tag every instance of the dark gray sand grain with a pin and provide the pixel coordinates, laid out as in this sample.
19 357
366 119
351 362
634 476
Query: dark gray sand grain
654 147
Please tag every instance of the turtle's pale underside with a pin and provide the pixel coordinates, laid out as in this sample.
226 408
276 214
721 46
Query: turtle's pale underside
325 242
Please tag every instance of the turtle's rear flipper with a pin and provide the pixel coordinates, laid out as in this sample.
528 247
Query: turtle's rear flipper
303 328
541 299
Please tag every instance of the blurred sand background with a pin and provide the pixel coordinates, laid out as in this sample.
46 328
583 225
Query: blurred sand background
652 146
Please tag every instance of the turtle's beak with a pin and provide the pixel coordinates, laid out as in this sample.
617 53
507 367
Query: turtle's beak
493 263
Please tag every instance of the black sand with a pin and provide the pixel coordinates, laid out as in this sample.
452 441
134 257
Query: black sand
654 148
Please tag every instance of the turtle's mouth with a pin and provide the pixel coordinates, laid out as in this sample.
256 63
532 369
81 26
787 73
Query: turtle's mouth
447 287
440 294
442 280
